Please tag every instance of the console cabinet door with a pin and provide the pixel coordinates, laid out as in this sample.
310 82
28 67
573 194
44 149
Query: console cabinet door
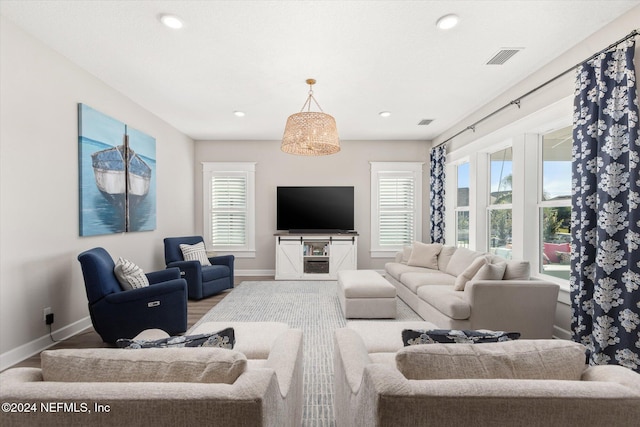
288 259
343 256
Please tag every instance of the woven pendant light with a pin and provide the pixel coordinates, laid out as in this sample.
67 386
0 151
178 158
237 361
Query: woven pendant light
310 133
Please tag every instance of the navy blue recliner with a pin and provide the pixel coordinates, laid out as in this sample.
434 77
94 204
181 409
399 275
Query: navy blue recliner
124 314
202 281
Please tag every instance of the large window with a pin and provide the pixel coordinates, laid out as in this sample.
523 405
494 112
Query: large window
462 205
520 181
396 206
229 212
555 203
499 210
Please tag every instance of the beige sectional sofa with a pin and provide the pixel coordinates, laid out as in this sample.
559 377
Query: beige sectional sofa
457 288
258 383
380 383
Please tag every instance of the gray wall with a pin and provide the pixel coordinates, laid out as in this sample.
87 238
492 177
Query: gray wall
39 191
348 167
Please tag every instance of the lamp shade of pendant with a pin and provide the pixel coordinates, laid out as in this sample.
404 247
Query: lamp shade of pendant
310 133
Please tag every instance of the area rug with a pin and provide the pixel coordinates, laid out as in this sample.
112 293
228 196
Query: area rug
314 308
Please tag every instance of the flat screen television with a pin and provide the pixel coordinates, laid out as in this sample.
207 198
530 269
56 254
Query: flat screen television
315 209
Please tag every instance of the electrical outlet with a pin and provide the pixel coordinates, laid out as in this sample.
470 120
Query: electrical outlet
47 311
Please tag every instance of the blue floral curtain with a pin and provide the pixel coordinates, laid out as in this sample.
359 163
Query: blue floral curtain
605 218
436 224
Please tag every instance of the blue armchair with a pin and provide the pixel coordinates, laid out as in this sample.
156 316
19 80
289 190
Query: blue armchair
124 314
202 281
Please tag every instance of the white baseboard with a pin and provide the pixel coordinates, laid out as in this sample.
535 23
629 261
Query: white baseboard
250 273
27 350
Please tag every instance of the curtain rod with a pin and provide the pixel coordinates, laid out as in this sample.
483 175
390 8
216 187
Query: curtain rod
517 100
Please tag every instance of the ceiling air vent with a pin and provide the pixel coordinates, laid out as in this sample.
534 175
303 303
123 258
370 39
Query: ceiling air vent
425 122
503 55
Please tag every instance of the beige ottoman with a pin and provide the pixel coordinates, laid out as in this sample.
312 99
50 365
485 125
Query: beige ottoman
365 294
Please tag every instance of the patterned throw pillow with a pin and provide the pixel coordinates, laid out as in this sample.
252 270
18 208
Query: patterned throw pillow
195 252
453 336
130 275
221 339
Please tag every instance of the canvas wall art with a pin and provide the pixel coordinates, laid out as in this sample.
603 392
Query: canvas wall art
117 174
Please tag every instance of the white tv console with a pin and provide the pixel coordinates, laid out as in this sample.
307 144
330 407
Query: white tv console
314 256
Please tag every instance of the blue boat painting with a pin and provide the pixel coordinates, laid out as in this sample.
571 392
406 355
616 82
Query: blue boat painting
117 175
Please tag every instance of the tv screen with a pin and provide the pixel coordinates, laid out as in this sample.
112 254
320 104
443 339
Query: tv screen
315 209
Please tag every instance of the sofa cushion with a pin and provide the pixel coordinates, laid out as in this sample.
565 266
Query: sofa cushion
129 275
517 270
521 359
469 272
455 336
396 269
385 337
487 271
253 339
460 260
223 339
213 272
414 280
425 255
210 365
445 256
195 252
447 301
406 253
491 271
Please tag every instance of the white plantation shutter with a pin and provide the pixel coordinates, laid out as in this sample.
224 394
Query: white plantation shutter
229 207
228 210
396 210
396 206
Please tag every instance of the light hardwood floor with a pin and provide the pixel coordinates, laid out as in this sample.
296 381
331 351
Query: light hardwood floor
90 339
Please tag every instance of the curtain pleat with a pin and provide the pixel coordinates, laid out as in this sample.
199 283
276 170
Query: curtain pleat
605 218
436 223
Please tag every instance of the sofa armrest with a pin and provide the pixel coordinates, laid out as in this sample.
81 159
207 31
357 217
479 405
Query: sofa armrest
613 373
140 403
384 393
188 267
153 291
525 306
191 271
14 376
509 402
285 358
349 348
227 260
222 260
163 275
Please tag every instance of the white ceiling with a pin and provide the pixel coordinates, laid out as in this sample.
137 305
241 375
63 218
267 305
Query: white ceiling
254 56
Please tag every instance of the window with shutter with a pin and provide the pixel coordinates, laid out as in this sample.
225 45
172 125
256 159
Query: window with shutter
228 210
229 207
396 210
396 206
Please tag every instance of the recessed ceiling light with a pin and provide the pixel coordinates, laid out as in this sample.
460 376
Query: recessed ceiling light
384 113
171 21
239 113
447 21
